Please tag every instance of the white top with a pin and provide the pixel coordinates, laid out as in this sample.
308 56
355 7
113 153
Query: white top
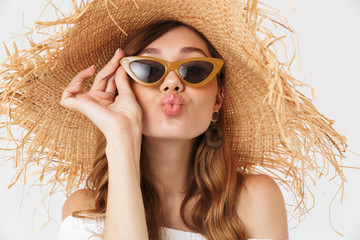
92 229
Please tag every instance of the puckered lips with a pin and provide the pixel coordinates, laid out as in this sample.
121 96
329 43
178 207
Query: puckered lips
172 104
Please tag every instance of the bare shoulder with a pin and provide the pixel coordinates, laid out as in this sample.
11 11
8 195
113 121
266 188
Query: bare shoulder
80 200
262 208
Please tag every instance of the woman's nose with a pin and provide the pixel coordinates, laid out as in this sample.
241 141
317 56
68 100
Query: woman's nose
172 83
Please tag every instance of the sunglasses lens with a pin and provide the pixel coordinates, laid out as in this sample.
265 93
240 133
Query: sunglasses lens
196 71
147 70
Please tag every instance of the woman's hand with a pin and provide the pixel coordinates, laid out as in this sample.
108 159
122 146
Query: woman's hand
119 118
110 113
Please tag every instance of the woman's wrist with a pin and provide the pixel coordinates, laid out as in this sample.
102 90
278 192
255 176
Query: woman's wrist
124 136
123 150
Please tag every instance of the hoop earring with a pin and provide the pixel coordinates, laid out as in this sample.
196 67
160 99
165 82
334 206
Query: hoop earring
214 134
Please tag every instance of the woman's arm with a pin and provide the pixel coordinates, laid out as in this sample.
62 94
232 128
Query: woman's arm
125 215
262 208
119 118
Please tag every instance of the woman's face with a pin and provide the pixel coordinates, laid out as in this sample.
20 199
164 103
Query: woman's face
192 114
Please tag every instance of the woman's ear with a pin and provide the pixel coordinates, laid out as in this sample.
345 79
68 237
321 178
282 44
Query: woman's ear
219 99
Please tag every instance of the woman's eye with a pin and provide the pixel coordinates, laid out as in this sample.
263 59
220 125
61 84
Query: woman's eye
195 69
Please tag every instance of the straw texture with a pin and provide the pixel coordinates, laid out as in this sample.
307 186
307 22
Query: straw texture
272 127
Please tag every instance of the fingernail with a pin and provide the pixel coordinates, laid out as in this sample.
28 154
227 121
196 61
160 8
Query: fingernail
78 83
117 50
92 66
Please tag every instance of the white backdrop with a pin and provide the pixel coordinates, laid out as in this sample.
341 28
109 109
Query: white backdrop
329 36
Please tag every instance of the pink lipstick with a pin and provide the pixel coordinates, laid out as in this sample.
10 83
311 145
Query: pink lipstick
172 104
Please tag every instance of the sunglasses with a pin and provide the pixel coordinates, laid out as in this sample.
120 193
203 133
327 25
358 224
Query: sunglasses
149 71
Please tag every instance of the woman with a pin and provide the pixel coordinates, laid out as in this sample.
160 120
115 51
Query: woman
172 117
175 150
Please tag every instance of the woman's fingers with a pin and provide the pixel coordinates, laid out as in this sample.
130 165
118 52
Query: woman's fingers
83 75
122 81
75 85
111 87
101 79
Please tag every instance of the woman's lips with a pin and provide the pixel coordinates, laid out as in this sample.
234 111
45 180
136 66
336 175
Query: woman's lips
171 110
172 104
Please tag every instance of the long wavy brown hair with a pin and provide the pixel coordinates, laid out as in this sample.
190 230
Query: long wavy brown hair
215 175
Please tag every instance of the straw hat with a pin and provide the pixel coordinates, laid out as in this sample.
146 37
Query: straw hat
271 126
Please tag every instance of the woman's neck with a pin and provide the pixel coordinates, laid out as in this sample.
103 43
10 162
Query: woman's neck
168 164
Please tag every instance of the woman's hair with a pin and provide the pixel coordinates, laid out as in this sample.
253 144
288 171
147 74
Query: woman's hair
215 175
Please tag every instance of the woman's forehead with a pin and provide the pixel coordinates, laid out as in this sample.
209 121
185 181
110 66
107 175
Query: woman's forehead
184 50
180 39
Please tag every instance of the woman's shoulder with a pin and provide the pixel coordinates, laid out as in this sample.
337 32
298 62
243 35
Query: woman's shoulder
257 183
262 208
80 200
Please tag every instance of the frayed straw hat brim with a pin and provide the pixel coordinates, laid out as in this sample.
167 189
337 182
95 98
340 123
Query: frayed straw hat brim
271 126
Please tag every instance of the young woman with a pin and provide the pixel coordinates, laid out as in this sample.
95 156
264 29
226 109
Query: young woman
171 130
155 138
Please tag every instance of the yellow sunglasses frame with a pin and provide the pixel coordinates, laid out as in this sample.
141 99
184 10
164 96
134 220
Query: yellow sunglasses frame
172 66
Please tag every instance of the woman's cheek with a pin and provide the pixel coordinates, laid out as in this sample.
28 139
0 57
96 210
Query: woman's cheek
203 114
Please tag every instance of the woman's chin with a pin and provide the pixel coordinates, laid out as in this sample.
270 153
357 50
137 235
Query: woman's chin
173 135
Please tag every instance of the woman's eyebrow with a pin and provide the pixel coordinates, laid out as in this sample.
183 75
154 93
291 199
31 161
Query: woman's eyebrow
183 50
192 49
